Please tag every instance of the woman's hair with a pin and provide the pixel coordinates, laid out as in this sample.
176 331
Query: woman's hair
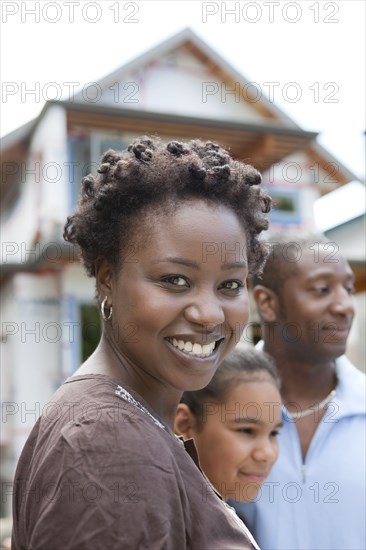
241 365
151 178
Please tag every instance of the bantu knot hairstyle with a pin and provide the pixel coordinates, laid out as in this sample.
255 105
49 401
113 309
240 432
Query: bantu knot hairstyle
151 175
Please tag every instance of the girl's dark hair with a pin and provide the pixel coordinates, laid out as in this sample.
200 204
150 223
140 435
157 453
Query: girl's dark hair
152 177
241 365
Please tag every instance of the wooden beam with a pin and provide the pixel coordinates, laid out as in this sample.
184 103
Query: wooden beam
359 271
261 148
250 146
332 169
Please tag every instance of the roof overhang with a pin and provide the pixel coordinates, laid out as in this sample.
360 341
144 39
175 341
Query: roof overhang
66 254
259 144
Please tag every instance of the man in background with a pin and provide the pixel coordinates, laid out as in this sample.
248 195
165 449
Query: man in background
314 498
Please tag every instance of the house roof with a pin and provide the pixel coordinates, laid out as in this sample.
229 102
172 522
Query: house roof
264 141
217 64
19 135
329 162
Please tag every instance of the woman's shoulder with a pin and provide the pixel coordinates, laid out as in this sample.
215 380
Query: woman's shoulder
114 461
91 413
85 396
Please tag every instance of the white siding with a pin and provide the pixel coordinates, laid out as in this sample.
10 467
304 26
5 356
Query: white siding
32 332
42 206
180 84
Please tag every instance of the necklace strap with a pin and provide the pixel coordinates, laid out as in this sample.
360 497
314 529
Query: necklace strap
315 408
126 396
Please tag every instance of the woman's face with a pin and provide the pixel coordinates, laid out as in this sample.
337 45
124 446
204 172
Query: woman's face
180 300
237 440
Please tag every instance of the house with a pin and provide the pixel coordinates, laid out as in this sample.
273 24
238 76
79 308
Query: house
180 89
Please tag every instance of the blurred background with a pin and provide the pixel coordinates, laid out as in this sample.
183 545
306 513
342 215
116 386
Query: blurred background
282 84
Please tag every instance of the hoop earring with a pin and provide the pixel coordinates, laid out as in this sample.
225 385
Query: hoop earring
102 310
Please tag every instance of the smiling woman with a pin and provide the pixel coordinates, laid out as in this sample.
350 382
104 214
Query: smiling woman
170 233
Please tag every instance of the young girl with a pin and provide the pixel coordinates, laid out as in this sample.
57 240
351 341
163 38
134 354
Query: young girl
234 422
157 228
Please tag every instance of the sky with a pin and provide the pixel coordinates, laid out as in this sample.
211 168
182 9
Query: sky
308 57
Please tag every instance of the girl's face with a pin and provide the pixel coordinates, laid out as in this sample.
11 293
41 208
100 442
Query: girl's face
237 441
180 300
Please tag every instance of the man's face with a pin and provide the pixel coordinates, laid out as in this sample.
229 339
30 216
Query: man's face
316 306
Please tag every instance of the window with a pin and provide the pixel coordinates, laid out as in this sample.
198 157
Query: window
286 209
85 149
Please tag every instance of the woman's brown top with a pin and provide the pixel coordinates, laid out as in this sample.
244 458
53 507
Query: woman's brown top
99 472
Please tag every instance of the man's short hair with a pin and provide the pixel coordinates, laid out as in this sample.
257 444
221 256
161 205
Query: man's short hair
284 255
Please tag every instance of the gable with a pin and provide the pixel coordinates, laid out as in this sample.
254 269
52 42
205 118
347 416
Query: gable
178 82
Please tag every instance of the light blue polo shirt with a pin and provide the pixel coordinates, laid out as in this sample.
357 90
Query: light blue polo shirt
318 504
